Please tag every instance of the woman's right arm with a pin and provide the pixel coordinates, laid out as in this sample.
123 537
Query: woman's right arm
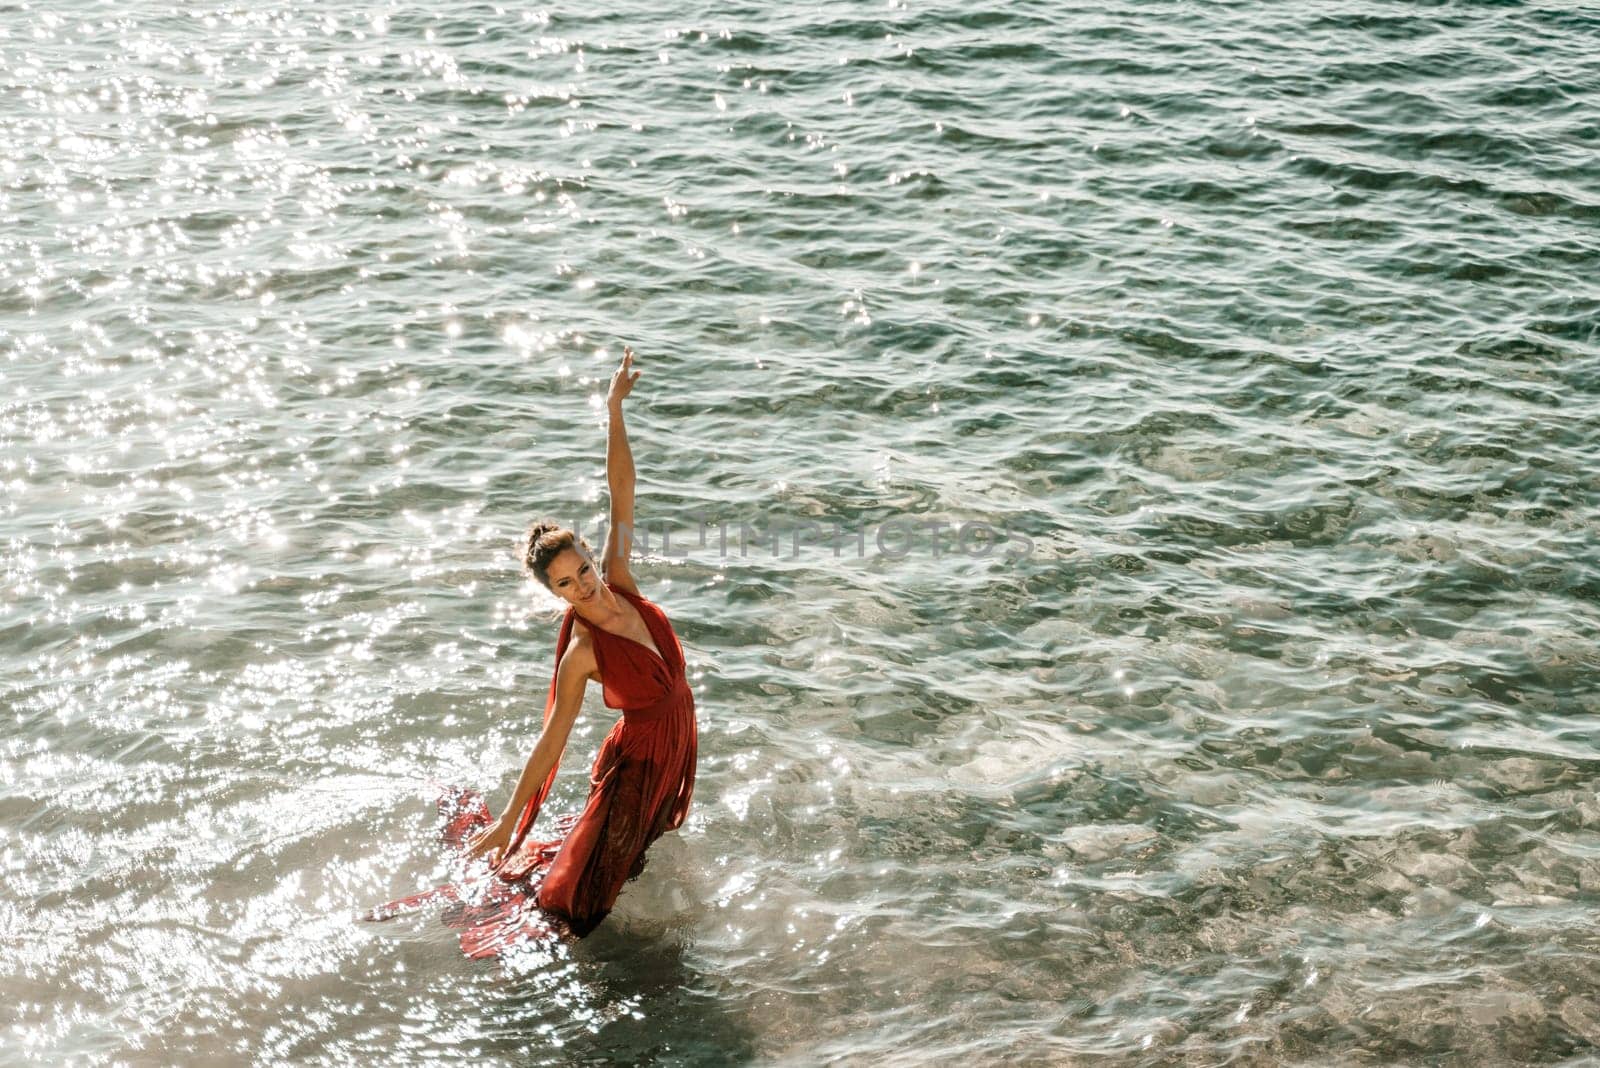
572 680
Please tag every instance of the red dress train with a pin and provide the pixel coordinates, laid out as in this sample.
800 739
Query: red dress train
639 789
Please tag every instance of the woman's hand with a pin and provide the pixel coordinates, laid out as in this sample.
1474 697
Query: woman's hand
492 840
622 379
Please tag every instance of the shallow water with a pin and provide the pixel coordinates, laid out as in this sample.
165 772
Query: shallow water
1270 336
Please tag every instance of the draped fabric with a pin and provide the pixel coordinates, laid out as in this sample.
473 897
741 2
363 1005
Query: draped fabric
639 788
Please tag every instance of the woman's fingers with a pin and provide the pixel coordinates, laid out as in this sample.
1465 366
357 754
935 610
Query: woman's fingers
490 843
481 843
623 379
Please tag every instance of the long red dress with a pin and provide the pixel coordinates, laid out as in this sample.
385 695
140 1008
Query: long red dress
640 786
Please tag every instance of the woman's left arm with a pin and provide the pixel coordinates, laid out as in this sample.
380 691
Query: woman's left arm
619 480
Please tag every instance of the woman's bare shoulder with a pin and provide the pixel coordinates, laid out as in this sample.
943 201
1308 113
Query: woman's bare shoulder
580 650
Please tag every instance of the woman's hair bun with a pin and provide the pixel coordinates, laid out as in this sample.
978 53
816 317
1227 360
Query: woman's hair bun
543 543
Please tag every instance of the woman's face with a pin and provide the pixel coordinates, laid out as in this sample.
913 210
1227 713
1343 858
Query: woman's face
573 578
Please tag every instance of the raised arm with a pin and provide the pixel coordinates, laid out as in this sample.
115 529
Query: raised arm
619 480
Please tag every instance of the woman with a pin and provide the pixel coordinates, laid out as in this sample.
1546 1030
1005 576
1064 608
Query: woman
644 773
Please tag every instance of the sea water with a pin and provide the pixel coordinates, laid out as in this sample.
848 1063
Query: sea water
1145 454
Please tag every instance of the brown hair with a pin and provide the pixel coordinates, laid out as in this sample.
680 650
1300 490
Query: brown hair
544 542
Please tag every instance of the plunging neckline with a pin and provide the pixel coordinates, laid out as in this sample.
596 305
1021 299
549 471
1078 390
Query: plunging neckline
624 637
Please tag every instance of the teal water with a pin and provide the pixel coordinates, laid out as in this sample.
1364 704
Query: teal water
1268 334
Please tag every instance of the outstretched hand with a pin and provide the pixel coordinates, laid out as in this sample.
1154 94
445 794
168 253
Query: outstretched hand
492 840
622 379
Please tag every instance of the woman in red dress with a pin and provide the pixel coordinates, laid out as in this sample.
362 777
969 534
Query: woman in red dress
644 773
